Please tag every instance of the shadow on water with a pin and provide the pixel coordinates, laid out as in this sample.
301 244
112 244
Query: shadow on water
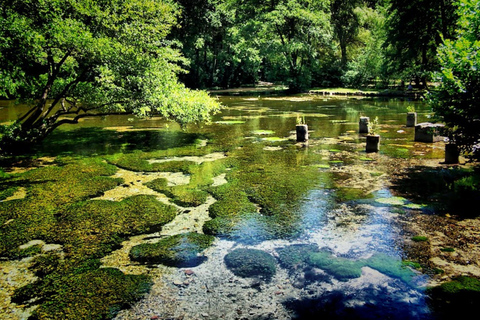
98 141
343 305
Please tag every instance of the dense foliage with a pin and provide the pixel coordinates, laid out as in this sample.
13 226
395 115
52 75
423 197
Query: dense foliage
456 101
71 59
311 43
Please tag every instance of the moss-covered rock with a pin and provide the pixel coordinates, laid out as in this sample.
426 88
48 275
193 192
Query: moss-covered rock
297 255
456 298
179 250
185 196
251 263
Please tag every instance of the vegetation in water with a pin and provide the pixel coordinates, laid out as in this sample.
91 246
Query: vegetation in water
178 250
249 263
58 209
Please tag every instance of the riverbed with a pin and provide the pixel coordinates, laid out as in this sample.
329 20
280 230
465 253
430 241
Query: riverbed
325 199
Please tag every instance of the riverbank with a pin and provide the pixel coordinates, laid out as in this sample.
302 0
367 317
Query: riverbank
271 89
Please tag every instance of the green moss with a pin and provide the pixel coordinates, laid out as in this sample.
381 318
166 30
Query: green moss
349 194
185 196
220 226
391 267
94 294
455 298
341 268
26 252
45 264
177 250
251 263
294 256
447 250
94 228
419 238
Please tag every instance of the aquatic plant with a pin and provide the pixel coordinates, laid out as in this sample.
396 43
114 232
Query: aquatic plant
341 268
419 238
249 263
295 256
91 293
391 266
177 250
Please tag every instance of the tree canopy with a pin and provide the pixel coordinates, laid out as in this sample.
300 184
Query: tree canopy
71 59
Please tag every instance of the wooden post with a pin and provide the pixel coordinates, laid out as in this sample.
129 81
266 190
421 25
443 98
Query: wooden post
363 124
302 132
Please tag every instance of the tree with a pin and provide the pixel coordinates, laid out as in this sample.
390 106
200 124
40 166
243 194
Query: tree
345 22
72 59
415 29
294 33
457 99
367 61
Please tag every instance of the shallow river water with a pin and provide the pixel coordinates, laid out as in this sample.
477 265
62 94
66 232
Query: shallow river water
340 257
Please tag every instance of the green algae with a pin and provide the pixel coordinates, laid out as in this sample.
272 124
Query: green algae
177 250
249 263
58 209
419 239
296 256
91 293
341 268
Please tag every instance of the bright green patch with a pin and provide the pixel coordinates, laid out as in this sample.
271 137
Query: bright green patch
419 238
274 139
341 268
393 201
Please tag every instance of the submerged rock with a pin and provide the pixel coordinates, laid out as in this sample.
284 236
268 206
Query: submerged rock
177 250
251 263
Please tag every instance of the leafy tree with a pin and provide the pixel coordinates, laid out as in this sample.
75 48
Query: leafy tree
368 58
294 33
345 22
456 100
415 29
72 59
218 43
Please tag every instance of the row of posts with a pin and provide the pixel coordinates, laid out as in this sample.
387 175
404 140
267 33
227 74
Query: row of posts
424 132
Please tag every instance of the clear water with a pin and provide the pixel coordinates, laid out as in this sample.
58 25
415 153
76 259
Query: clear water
339 214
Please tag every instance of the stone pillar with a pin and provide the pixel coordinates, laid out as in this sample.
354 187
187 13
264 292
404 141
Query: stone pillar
411 119
302 132
451 153
428 132
363 124
373 143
